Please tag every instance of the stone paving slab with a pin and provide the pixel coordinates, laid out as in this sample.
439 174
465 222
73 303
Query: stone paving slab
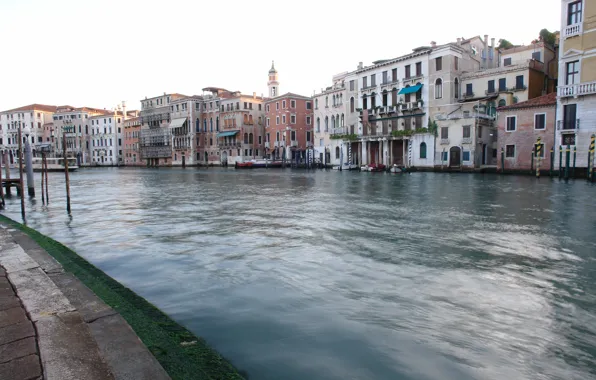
17 349
128 357
17 331
34 251
14 259
9 302
40 296
25 368
12 316
68 352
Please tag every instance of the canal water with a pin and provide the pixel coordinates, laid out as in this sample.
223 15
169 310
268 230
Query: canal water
326 275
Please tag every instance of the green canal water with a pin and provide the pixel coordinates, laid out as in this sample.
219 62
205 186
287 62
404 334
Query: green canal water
326 275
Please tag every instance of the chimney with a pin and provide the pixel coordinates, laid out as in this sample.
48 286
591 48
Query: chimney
123 110
458 41
254 95
360 65
485 55
433 44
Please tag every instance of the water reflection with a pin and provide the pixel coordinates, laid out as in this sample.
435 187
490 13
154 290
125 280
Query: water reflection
332 275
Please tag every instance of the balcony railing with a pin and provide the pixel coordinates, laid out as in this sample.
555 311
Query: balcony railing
294 143
444 141
521 87
467 95
579 89
492 92
466 140
566 125
309 144
572 30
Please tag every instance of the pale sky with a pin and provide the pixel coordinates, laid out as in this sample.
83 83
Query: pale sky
97 53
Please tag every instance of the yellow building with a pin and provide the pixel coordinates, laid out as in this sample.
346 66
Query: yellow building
576 106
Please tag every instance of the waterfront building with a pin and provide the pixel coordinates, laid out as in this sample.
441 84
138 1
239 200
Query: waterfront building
288 122
519 127
106 137
38 117
241 136
576 108
78 140
132 153
184 126
210 116
155 139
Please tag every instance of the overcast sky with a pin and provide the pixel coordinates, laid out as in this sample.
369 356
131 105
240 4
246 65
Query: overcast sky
98 53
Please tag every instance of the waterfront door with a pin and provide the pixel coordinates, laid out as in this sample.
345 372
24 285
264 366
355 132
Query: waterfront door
483 154
454 156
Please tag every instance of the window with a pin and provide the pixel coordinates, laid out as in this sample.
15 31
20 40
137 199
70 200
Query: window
326 124
423 150
511 123
277 120
491 87
568 139
510 151
502 103
519 82
318 124
444 132
308 119
337 152
373 80
307 136
384 77
418 69
293 135
316 104
469 92
539 152
536 55
394 75
574 13
308 105
261 107
408 72
277 106
572 71
283 104
268 109
540 121
444 156
439 63
292 119
326 101
365 103
283 119
456 63
364 82
351 85
507 62
352 104
502 84
569 116
439 89
466 156
384 96
466 132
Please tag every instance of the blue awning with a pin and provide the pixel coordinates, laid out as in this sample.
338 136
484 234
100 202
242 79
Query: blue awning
410 90
226 134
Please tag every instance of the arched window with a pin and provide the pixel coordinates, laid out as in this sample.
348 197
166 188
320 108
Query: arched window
211 124
318 124
326 101
217 123
341 98
246 138
326 123
250 138
205 125
394 97
245 119
515 100
198 125
352 104
316 104
456 88
423 150
250 119
342 120
332 122
502 103
337 152
438 89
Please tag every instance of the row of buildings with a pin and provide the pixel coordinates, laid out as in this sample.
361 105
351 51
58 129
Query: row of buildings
455 105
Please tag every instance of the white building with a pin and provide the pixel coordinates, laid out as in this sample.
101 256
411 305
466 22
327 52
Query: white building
576 106
34 117
106 139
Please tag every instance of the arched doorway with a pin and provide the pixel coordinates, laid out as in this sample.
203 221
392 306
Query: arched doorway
224 158
454 156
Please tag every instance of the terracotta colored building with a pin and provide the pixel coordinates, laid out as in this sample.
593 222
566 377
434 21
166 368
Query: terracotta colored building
519 127
132 155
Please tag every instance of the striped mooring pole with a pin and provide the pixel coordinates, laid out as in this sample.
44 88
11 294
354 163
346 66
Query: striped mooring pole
591 160
538 155
552 161
560 161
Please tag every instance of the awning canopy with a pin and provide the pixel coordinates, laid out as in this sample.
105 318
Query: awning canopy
177 123
410 90
226 134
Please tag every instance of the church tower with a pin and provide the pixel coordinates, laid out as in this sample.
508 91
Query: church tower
273 82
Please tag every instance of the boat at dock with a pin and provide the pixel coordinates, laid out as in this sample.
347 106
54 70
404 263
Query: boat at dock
259 164
55 164
346 166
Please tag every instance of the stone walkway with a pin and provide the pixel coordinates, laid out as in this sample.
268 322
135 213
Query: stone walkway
53 327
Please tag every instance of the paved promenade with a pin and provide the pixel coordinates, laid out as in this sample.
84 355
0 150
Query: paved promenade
53 327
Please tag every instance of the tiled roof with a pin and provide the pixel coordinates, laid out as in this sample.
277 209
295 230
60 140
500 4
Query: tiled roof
541 101
34 107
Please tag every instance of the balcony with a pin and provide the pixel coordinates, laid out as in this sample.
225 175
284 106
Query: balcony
267 145
444 141
563 125
309 144
415 105
576 90
412 80
493 91
466 140
467 95
572 30
522 87
403 107
293 143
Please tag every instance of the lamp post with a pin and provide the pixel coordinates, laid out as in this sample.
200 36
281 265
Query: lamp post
29 163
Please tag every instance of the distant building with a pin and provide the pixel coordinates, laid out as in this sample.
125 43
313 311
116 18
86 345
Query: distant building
576 109
519 127
38 117
184 126
132 153
107 135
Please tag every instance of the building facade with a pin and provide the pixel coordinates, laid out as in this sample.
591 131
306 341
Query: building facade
106 148
576 107
132 153
519 128
35 117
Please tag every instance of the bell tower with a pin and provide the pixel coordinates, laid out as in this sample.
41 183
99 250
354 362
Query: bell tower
273 82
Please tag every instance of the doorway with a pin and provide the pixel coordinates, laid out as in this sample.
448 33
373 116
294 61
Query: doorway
455 156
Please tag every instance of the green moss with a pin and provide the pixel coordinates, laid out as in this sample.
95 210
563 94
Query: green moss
161 335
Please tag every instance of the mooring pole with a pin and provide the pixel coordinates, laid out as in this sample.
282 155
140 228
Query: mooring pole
591 158
574 157
66 171
46 175
29 166
21 171
567 161
552 161
560 161
538 156
502 160
532 161
43 197
2 187
8 191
